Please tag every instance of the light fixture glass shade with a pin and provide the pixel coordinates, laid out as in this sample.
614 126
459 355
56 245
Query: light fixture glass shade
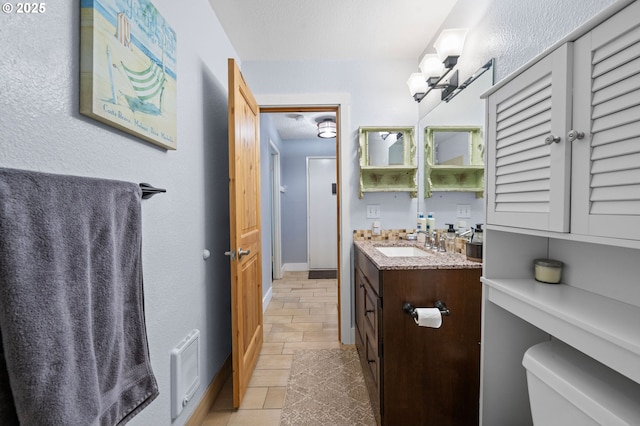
431 66
450 43
417 84
327 129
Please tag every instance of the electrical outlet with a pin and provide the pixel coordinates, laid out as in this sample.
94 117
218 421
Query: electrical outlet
373 211
464 211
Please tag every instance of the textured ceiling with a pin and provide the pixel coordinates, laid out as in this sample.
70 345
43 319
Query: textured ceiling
294 30
298 125
262 30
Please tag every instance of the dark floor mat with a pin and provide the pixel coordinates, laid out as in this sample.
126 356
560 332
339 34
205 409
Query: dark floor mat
323 274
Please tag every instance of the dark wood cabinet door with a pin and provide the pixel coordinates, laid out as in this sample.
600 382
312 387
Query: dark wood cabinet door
432 376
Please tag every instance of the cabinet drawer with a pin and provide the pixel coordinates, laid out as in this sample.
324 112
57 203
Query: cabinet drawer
373 360
371 314
369 270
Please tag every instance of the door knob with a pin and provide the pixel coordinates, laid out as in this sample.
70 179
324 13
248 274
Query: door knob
551 139
573 135
231 254
242 253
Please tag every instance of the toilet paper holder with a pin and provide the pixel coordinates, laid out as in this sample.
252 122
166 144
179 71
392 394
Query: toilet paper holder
411 310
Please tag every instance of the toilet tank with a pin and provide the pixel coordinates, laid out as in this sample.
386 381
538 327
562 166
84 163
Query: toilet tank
566 387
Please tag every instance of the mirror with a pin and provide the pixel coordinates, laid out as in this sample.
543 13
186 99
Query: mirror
451 148
387 160
453 159
387 146
454 146
452 137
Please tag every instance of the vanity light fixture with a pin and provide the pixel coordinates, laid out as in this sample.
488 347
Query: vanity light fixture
327 129
435 67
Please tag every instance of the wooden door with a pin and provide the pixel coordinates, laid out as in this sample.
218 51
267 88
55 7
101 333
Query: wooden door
244 212
605 198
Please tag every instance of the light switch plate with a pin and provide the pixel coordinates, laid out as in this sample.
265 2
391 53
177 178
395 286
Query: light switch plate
373 211
464 211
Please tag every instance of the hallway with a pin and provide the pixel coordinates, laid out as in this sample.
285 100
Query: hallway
303 314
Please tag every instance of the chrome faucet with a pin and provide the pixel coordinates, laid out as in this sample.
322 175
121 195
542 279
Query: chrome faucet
426 240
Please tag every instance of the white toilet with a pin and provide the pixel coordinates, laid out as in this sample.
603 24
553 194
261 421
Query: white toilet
566 387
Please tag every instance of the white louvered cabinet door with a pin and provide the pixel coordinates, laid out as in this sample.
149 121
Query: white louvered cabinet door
528 157
606 162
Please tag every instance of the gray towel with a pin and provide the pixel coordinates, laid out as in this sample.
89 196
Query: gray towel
71 301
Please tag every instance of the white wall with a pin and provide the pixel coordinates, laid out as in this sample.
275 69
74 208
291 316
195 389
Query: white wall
379 96
41 129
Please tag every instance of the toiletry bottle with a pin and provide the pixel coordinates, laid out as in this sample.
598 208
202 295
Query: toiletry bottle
431 223
421 226
451 239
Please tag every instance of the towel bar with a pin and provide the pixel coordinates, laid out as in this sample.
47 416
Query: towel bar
149 191
411 310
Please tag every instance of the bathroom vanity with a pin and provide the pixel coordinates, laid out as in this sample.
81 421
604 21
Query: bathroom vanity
418 375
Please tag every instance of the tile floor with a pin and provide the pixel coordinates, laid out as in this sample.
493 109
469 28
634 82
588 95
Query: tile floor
303 314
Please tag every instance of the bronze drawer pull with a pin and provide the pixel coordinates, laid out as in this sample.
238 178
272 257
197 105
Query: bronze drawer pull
369 311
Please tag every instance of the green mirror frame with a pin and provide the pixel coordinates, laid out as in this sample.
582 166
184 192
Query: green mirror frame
388 178
458 178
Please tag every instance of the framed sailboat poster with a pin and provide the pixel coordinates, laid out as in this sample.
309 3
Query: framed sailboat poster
128 75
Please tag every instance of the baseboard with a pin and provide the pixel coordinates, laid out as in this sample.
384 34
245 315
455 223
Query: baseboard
210 395
267 298
295 267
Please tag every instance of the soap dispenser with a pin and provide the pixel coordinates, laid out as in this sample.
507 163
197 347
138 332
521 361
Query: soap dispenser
478 234
474 247
451 238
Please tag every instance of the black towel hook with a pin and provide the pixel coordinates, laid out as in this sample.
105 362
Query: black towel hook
149 191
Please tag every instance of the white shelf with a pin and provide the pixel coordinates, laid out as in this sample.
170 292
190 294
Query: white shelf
617 242
605 329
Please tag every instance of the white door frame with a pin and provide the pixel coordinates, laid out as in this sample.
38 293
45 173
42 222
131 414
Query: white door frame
347 175
276 232
335 230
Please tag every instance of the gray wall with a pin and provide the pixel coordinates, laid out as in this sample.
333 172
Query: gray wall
41 129
294 155
268 133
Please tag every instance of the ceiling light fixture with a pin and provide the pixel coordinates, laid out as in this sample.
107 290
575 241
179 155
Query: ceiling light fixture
435 67
327 129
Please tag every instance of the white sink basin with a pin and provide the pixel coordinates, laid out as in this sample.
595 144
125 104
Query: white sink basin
402 251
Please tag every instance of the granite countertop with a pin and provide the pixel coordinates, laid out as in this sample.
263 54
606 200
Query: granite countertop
435 260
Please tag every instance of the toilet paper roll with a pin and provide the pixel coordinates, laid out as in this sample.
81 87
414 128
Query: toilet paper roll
428 317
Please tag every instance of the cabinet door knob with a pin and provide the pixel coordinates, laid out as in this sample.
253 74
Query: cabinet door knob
550 139
573 135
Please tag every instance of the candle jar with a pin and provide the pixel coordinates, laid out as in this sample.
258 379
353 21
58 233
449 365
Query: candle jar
547 270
